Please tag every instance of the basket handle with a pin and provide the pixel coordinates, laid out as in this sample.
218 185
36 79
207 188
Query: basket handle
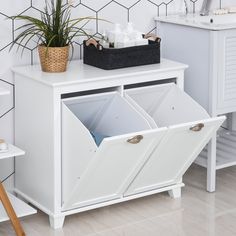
152 37
94 43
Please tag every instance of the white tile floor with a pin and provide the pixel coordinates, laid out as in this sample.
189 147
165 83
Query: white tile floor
196 213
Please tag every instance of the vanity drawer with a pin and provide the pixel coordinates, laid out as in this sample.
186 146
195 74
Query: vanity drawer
148 139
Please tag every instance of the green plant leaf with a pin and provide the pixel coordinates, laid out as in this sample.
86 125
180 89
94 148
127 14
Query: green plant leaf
54 27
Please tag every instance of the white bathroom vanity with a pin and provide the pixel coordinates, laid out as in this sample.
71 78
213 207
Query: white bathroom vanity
208 45
152 131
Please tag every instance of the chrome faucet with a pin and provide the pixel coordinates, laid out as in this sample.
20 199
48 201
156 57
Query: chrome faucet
205 7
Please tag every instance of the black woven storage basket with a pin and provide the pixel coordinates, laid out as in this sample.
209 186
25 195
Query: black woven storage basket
112 58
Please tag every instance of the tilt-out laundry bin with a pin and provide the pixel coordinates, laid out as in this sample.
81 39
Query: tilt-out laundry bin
189 130
150 136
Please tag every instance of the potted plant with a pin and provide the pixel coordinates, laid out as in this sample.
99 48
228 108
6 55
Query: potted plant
54 32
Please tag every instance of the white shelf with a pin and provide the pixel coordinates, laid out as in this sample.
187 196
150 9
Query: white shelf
12 151
4 91
225 153
20 207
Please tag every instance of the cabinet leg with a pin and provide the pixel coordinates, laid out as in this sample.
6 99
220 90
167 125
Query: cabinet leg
56 222
175 193
211 165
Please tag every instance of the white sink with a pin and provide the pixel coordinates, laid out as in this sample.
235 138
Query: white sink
212 22
214 19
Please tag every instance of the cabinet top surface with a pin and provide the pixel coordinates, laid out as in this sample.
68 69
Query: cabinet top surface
79 73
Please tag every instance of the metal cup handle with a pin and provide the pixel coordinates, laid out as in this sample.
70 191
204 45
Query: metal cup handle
136 139
197 127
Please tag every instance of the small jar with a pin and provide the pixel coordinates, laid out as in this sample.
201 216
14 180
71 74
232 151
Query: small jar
3 145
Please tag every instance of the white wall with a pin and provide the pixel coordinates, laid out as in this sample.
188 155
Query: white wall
140 12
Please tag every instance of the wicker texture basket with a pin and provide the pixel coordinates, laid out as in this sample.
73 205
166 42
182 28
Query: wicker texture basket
53 59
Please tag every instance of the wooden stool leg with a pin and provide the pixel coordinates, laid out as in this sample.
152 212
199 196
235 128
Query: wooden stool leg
10 212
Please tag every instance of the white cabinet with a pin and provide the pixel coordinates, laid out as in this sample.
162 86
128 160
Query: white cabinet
210 80
96 138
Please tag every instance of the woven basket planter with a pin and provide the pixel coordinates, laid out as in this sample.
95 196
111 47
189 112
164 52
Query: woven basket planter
53 59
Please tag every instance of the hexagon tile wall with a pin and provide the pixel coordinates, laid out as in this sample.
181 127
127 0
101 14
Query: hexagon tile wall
140 12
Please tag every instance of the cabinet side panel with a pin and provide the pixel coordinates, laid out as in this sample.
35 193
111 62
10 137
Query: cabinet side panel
227 71
190 46
34 133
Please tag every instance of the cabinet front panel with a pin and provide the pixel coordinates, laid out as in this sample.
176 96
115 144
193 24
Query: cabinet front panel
114 166
173 156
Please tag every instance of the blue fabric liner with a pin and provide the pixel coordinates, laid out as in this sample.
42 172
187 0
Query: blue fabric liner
98 137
